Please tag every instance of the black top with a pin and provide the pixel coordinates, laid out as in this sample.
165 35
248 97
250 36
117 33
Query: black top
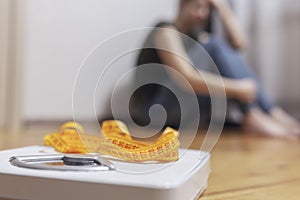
150 55
147 95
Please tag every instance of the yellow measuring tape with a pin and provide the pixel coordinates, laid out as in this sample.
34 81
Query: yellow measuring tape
115 142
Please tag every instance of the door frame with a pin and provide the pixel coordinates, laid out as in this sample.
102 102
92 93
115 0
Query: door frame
10 64
4 27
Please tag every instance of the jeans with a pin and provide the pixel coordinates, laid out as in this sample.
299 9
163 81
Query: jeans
231 65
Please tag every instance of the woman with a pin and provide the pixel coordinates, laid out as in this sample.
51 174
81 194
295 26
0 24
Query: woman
240 84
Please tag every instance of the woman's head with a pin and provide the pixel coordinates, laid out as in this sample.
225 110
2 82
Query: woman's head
195 12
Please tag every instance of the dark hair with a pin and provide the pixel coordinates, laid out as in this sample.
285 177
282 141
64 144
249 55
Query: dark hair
208 26
182 2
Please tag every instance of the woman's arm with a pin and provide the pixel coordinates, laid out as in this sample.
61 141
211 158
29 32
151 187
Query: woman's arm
169 38
235 34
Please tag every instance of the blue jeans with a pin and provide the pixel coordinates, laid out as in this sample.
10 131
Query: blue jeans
231 65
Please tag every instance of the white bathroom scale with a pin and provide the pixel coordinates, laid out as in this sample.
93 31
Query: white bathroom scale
185 179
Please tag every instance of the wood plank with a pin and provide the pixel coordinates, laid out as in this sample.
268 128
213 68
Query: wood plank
288 190
245 164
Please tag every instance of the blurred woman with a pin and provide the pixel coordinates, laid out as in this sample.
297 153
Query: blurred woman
239 82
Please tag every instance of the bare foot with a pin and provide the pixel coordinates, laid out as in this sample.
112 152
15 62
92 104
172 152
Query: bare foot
259 122
283 117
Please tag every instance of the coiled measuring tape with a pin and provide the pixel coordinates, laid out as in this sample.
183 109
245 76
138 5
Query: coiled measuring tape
116 142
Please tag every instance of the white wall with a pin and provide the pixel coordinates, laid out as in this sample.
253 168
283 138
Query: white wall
278 47
273 30
58 34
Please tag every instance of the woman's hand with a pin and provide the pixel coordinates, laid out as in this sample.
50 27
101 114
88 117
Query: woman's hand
217 3
236 36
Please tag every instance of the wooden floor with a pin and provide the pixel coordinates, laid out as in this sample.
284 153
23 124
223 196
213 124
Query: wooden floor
243 166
